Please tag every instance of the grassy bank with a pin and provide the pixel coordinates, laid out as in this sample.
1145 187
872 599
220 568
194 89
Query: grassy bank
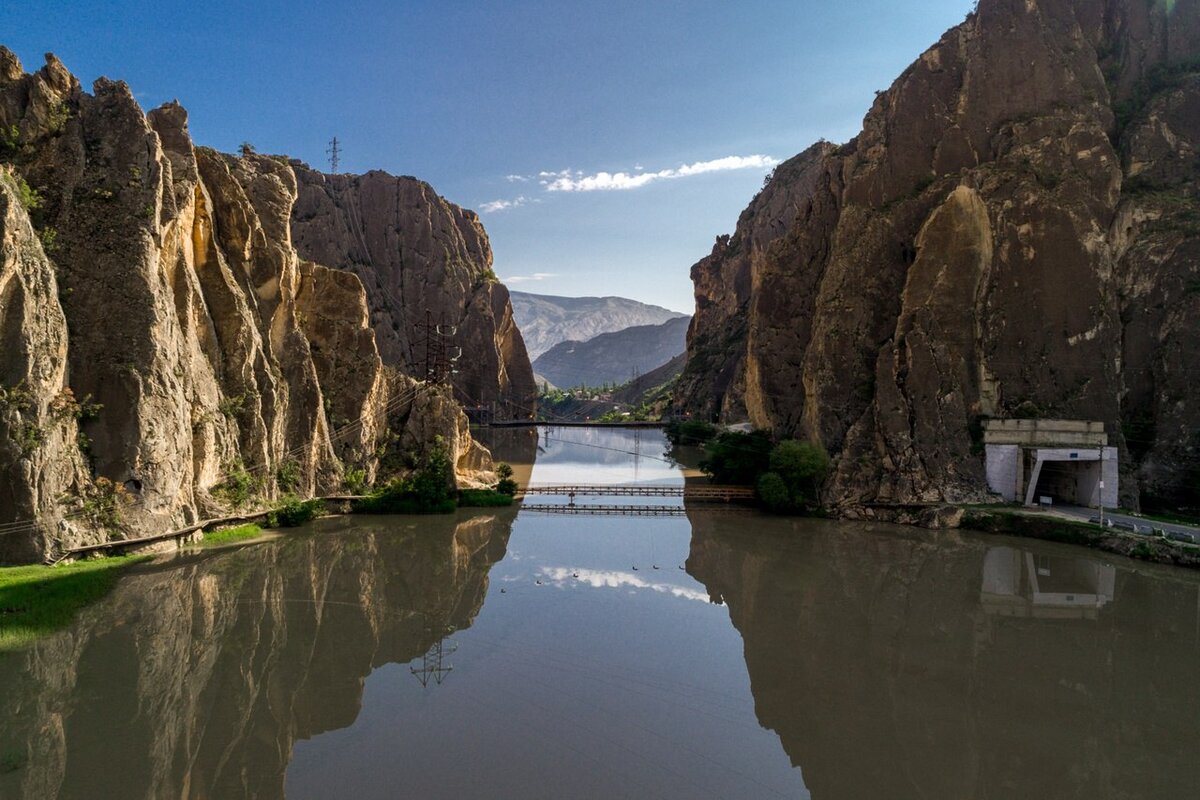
1055 529
229 535
37 600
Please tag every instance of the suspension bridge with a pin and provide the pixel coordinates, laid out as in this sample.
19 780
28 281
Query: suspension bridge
696 492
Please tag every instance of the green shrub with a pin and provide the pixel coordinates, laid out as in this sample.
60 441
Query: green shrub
773 493
16 398
56 121
506 485
10 139
355 481
28 437
29 197
483 498
287 476
797 470
295 512
738 458
102 503
239 485
232 406
429 490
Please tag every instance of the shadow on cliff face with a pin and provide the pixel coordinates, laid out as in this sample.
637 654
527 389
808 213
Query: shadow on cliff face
196 678
906 665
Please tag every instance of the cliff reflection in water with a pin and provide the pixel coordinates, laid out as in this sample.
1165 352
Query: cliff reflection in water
195 681
937 666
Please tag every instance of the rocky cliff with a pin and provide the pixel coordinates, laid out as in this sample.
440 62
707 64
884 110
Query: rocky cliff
166 353
423 261
1014 232
214 667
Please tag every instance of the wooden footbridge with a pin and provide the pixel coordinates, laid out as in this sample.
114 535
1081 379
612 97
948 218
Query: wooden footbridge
698 493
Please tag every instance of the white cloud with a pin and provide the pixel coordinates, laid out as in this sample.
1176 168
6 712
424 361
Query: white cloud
516 179
574 181
503 205
537 276
616 580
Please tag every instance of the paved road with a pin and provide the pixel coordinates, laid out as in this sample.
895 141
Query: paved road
1143 524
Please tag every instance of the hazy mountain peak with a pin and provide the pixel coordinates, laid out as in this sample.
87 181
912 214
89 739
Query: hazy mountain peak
546 320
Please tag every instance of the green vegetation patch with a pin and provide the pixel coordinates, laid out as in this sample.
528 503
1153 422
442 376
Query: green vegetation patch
294 512
428 490
228 535
38 600
483 498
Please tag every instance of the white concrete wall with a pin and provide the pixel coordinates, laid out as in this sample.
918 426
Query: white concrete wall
1112 478
1002 461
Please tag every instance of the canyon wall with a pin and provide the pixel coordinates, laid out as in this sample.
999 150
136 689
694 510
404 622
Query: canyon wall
166 353
424 262
1015 232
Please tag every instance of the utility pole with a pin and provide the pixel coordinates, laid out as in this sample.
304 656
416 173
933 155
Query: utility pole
335 153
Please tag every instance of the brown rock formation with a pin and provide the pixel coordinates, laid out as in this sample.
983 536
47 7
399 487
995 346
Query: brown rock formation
1015 227
418 254
39 455
212 353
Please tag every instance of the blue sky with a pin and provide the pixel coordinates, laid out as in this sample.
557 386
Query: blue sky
524 102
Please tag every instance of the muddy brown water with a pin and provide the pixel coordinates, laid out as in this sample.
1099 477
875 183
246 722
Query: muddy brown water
516 654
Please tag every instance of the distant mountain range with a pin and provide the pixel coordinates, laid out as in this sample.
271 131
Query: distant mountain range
545 321
616 357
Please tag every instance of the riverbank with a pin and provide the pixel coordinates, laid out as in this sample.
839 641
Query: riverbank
38 600
1049 528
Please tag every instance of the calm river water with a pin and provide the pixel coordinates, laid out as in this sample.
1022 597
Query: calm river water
533 655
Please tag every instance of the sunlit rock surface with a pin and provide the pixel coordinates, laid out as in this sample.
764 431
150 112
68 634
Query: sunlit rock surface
1016 227
151 289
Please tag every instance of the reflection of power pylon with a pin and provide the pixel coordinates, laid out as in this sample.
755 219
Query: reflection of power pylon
432 663
637 452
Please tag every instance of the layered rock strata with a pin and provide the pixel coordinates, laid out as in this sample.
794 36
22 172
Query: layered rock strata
424 262
1014 232
166 354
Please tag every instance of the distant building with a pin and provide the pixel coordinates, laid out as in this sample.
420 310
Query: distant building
1065 461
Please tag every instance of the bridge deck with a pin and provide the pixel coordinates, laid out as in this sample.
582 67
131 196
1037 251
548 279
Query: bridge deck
696 492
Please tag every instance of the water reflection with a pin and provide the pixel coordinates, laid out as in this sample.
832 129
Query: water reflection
1017 583
915 665
195 681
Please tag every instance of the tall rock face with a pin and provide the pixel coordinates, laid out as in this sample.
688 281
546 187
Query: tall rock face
1015 231
222 663
424 261
166 353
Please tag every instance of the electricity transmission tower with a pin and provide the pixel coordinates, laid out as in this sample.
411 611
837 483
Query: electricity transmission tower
440 354
335 154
